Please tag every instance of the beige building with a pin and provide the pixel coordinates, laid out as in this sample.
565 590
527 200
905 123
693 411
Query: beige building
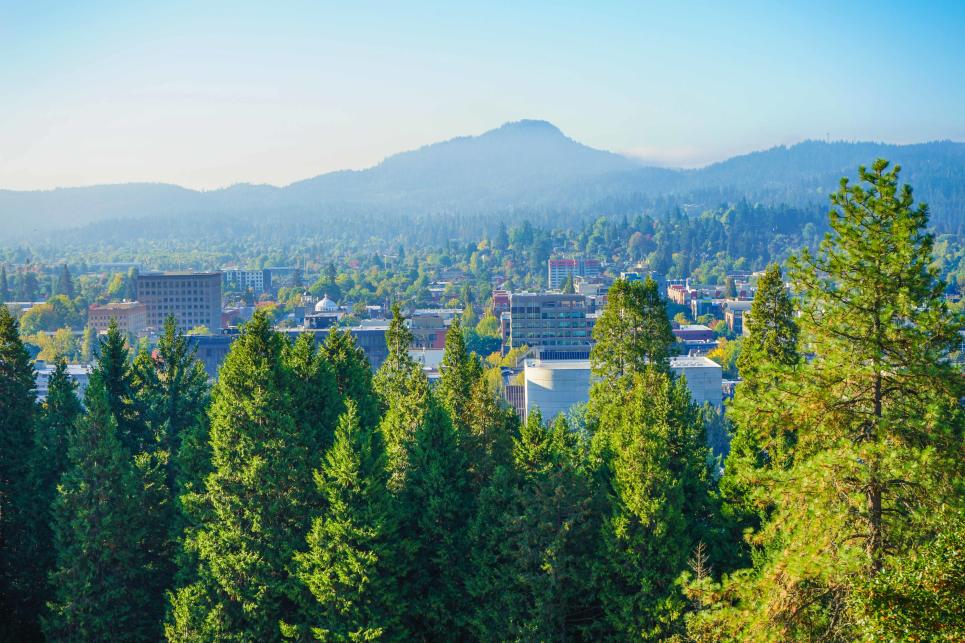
131 317
194 298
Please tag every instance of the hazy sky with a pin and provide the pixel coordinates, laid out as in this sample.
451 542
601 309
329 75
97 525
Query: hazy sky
205 94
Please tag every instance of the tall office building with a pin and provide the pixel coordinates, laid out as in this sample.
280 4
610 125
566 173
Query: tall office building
259 281
194 298
560 269
552 322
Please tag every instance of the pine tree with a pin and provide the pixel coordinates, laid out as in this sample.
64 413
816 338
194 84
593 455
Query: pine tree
568 286
49 461
348 566
353 375
459 372
404 390
730 288
876 418
434 508
4 286
315 400
258 502
533 541
633 331
17 410
65 285
645 537
101 580
114 366
763 432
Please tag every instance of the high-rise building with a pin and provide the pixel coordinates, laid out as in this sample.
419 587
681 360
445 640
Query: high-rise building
552 322
194 298
560 269
259 281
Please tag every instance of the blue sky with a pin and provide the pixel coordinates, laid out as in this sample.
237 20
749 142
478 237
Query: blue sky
205 94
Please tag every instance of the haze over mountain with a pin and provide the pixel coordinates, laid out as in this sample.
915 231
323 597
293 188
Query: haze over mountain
518 167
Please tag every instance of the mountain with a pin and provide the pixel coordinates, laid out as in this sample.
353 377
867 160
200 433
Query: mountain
520 167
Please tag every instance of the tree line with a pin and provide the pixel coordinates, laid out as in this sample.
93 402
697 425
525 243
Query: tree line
304 497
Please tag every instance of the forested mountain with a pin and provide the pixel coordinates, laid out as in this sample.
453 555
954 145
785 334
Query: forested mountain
525 168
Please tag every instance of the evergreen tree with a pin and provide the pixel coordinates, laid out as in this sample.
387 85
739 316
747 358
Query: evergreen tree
114 366
730 288
646 536
258 501
434 509
316 403
101 580
49 461
877 423
533 542
4 285
404 390
348 566
88 346
459 371
353 375
17 410
568 286
633 331
763 432
65 285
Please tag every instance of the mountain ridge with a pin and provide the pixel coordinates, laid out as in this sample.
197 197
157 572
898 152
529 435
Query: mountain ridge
527 164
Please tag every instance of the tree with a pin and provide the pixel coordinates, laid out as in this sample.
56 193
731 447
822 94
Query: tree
65 285
114 366
353 375
404 390
460 370
434 508
730 288
876 420
533 542
101 580
348 566
762 429
57 418
4 285
315 400
633 331
257 503
17 410
568 286
646 535
88 347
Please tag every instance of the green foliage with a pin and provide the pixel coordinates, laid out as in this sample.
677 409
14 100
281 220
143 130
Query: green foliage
258 501
17 412
348 566
633 331
353 375
101 580
874 419
435 505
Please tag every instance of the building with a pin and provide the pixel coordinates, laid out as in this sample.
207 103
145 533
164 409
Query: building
428 331
131 317
194 298
734 315
560 269
78 373
211 350
325 316
554 386
550 321
704 378
694 332
259 281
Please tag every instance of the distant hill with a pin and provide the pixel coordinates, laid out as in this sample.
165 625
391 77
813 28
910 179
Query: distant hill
519 167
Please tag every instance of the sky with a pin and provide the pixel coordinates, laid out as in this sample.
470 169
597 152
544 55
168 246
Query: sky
208 94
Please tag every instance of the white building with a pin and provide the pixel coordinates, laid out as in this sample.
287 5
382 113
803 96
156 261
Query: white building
554 386
78 373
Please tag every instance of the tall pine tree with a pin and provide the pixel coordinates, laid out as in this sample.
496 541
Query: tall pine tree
17 411
101 580
353 375
258 501
349 564
877 424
